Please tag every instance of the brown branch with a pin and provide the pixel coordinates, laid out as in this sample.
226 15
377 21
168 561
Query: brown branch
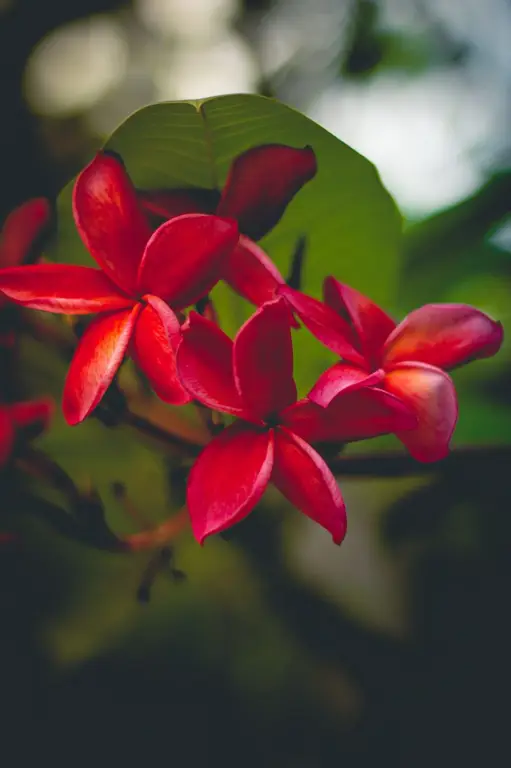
148 428
157 537
400 464
90 526
41 466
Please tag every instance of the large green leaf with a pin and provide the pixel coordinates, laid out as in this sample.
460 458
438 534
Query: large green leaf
351 223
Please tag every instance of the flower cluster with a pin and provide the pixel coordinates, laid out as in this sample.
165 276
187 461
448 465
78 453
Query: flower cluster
161 251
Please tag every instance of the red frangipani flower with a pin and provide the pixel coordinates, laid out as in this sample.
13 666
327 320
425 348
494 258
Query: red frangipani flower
408 360
140 273
32 416
252 378
261 183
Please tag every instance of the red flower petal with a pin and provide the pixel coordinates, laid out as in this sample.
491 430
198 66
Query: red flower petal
109 219
444 335
95 362
341 377
185 256
204 364
371 324
303 477
430 394
6 434
251 273
154 346
351 416
262 182
164 204
32 413
62 288
263 360
228 479
21 229
327 326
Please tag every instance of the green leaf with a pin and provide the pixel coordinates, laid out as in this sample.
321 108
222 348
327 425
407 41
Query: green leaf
350 222
345 212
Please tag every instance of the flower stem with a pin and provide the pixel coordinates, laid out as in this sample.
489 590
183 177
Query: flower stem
157 537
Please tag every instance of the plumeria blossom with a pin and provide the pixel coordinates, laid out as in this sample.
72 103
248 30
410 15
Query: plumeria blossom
260 184
29 418
408 360
252 379
141 273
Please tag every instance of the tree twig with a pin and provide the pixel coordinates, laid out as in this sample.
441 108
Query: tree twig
150 429
38 464
400 464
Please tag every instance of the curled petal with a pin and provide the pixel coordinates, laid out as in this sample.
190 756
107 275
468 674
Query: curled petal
155 341
327 326
444 335
351 416
109 219
204 364
229 478
303 477
21 229
164 204
307 420
342 377
62 288
371 324
95 362
250 272
263 360
430 394
262 182
6 435
36 414
185 256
